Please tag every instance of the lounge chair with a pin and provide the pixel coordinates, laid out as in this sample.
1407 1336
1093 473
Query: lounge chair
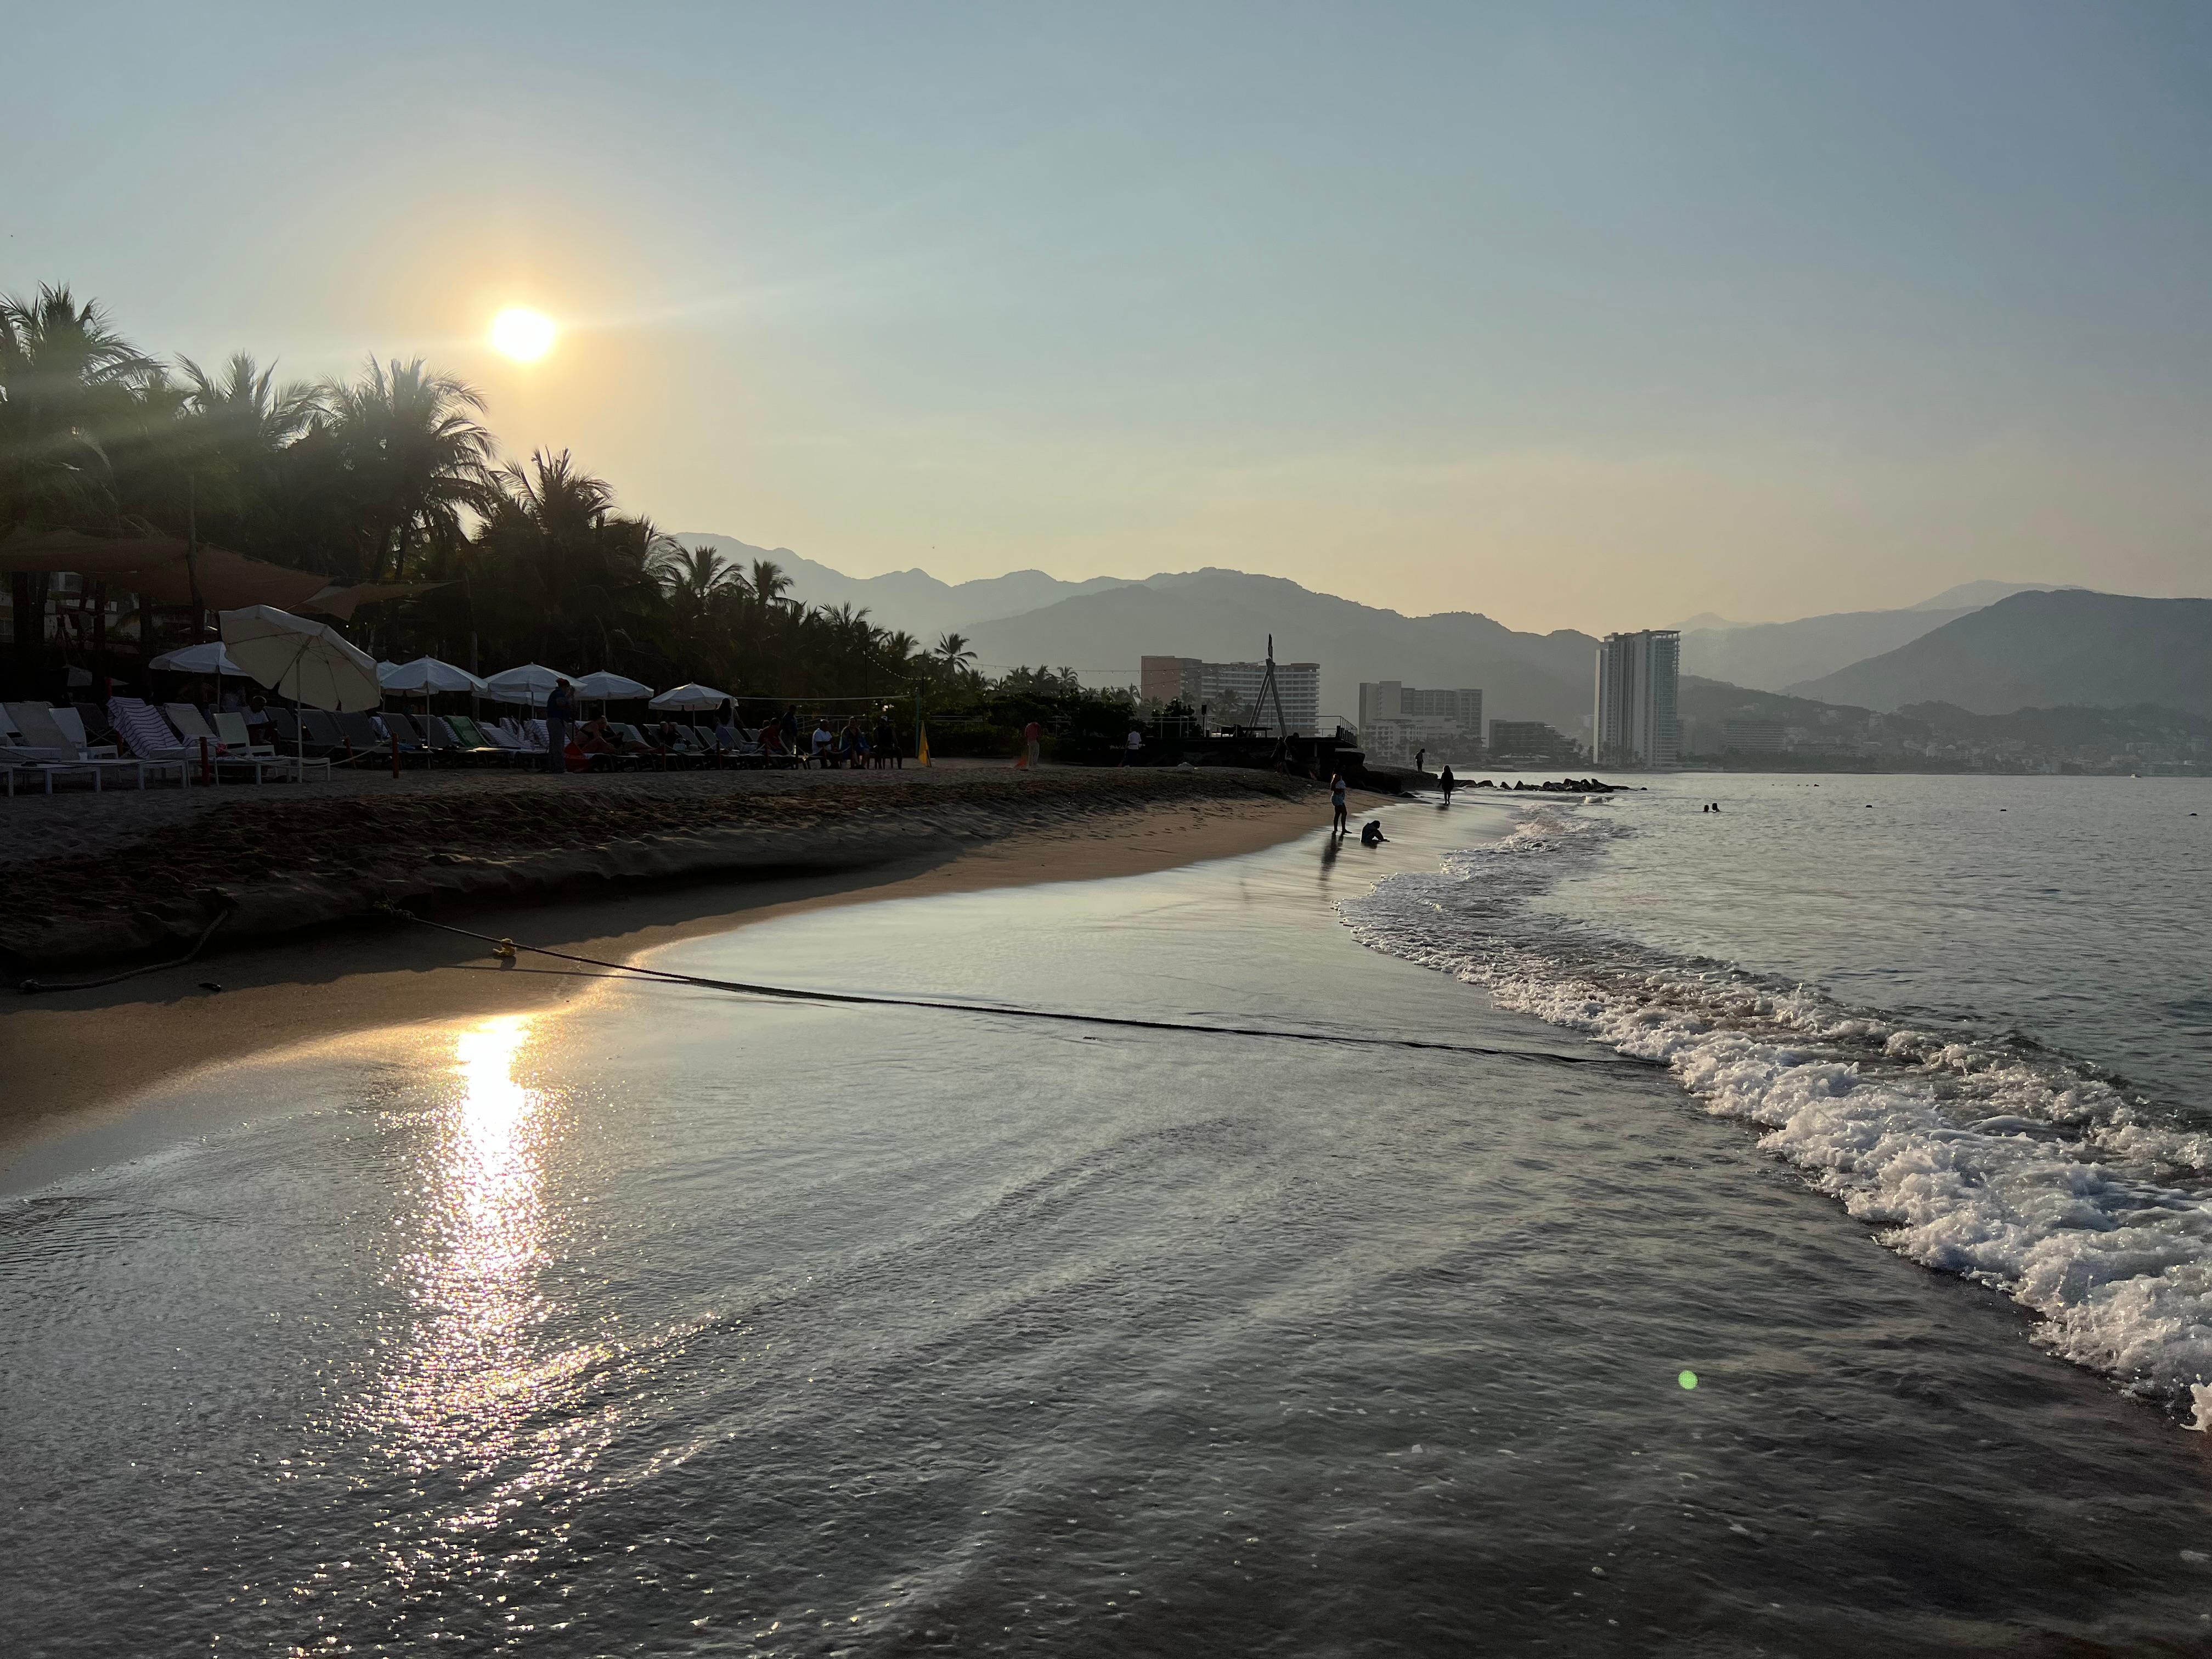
12 767
149 744
72 726
326 733
243 751
471 736
239 739
94 719
57 735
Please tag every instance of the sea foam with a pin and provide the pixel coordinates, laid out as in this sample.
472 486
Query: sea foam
1975 1153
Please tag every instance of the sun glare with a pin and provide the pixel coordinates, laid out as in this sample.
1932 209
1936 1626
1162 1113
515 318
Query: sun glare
522 334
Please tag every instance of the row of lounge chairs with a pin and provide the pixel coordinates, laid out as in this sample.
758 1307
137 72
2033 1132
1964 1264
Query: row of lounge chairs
135 739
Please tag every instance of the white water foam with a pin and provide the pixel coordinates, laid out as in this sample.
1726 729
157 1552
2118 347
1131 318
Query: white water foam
1976 1155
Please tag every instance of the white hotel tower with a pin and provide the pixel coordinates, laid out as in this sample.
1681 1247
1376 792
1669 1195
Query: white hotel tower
1635 724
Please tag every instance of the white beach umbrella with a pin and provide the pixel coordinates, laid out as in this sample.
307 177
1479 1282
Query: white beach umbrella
606 684
303 661
426 674
208 658
530 684
691 698
300 660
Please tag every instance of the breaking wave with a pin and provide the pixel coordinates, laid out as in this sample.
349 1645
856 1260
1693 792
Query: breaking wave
1971 1151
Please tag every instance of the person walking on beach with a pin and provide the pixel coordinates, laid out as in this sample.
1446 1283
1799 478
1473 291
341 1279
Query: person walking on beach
887 749
1341 820
1421 760
1032 744
560 709
1133 747
789 726
1450 783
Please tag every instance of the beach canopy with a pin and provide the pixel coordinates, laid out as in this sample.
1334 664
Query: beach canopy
303 661
208 658
606 683
426 674
531 683
691 698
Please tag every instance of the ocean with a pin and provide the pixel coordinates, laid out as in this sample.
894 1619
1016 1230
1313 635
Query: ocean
1645 1230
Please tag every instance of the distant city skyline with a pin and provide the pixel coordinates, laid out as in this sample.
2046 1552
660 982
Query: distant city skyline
1580 316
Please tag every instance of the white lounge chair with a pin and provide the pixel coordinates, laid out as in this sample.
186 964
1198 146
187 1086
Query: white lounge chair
12 768
150 738
72 726
42 729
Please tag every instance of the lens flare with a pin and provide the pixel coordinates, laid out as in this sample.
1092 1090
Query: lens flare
522 334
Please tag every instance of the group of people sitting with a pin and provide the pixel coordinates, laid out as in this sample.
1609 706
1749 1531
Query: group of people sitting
857 744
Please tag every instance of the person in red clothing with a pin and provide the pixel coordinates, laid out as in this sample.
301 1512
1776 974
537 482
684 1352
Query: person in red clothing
1033 744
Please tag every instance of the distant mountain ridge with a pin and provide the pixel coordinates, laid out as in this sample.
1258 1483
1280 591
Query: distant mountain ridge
912 599
2042 650
1768 656
1227 615
2032 647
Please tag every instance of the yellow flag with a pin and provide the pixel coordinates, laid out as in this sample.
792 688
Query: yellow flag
922 746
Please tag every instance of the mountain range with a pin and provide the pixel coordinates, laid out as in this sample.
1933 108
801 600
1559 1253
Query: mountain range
912 599
2042 650
1988 647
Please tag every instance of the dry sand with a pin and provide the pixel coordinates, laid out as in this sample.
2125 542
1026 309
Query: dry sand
76 1057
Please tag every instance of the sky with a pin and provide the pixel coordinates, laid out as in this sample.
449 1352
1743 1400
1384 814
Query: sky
1578 316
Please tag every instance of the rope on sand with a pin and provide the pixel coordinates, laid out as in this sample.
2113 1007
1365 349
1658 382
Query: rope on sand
507 948
32 987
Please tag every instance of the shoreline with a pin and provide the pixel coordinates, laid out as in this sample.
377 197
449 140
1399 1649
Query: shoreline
97 1053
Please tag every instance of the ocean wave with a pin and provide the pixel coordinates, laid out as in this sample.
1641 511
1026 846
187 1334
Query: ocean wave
1981 1153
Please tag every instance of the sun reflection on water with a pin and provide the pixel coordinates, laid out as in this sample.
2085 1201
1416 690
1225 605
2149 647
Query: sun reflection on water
469 1378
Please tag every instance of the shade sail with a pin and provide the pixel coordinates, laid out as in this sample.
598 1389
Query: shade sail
161 570
691 698
606 683
531 683
426 674
208 658
304 661
342 602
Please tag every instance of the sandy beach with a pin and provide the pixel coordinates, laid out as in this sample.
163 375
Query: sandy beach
95 1050
142 875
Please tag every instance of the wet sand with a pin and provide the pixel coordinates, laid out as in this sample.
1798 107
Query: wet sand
80 1057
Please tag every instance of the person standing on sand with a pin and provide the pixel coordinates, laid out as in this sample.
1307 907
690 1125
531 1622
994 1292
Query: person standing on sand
789 726
1339 820
1420 758
1032 744
560 709
1450 783
1133 747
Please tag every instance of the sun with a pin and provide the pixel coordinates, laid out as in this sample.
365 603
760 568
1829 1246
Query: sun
522 334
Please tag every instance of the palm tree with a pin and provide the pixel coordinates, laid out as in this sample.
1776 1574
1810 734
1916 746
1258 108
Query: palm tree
952 651
66 384
694 576
417 460
560 571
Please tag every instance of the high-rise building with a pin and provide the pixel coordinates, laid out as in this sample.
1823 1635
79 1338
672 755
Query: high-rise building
1634 722
1213 685
1398 722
